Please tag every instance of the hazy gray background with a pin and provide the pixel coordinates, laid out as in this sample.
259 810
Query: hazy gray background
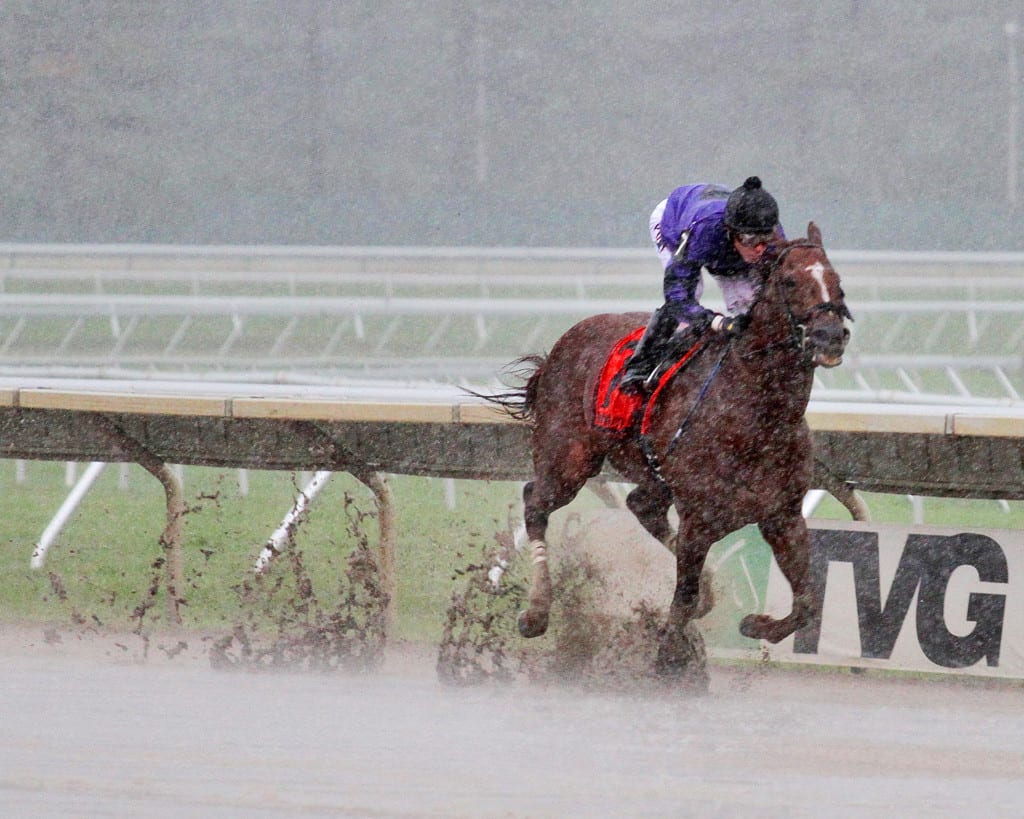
486 123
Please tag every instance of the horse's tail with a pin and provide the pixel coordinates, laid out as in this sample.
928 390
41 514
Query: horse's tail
519 402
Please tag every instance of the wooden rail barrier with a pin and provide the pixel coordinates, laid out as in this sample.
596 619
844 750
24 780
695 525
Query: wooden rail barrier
922 450
919 449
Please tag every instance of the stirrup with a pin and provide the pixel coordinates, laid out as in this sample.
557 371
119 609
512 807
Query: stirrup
652 379
634 383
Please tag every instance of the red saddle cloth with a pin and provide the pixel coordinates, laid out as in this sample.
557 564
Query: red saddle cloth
614 409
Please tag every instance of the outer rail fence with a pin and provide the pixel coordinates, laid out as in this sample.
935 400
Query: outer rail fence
928 324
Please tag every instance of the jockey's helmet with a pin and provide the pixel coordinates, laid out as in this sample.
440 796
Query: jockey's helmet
751 209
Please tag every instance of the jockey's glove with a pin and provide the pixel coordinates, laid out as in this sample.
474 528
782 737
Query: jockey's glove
730 325
700 323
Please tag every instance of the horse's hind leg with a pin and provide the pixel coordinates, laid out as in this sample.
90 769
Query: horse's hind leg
650 502
789 540
534 620
556 484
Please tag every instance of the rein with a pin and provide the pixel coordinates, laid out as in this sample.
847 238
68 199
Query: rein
700 397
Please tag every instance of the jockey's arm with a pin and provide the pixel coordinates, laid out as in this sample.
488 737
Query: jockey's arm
682 280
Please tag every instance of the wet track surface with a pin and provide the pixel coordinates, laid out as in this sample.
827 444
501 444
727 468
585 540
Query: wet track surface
91 735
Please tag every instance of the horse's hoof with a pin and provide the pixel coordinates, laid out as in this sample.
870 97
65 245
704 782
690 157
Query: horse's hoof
532 625
682 659
669 665
763 627
753 626
687 672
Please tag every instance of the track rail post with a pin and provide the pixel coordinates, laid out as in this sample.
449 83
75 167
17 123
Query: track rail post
387 522
174 494
333 456
841 491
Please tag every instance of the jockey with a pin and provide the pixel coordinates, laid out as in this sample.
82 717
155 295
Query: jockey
705 226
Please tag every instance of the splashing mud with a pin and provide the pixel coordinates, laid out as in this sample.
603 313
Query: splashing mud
288 627
585 645
286 624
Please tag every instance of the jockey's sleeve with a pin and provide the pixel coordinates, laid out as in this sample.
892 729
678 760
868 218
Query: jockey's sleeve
680 286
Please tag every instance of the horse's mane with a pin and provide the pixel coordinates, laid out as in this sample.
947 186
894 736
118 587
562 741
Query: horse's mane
518 402
769 260
766 263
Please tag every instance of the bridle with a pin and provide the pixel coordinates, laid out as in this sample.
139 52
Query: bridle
798 327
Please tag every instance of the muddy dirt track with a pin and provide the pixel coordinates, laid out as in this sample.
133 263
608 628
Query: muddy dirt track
90 730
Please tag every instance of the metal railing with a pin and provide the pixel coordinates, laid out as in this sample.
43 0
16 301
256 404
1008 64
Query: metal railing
942 324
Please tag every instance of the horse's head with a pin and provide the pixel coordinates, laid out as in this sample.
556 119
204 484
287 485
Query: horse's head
800 279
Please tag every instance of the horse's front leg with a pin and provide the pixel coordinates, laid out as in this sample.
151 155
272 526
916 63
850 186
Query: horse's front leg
787 535
681 649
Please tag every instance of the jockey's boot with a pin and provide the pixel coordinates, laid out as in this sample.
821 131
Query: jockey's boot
648 351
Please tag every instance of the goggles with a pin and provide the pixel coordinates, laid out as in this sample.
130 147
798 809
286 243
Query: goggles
754 239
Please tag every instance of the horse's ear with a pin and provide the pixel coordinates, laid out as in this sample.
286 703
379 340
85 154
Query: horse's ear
813 234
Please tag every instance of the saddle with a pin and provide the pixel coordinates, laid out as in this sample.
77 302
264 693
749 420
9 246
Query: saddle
619 411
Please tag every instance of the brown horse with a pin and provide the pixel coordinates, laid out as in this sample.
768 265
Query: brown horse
727 442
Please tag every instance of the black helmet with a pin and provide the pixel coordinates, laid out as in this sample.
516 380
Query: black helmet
751 209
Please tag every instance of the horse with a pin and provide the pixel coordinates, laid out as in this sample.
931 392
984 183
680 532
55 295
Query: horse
726 442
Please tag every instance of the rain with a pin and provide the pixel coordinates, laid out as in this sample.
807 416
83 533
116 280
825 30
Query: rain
334 129
395 123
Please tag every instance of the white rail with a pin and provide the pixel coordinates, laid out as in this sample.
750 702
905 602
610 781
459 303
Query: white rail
64 513
946 324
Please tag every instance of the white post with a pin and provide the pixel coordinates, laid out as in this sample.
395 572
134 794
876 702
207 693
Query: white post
67 509
917 505
501 563
449 493
292 520
811 501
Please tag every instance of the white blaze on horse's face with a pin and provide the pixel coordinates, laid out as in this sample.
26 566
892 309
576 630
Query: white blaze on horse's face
826 342
817 270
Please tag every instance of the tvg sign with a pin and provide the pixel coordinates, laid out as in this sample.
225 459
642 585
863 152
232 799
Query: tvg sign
925 566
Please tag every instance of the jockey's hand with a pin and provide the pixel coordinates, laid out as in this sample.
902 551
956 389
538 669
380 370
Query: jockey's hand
700 323
730 325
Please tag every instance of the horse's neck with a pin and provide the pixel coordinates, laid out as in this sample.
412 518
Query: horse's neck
772 361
